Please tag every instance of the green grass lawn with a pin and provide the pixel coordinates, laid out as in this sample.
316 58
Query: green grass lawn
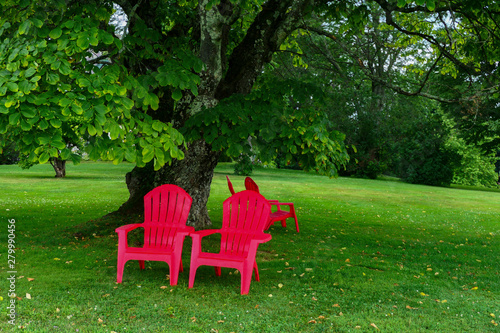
371 255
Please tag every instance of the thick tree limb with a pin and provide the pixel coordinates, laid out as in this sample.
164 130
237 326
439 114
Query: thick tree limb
271 27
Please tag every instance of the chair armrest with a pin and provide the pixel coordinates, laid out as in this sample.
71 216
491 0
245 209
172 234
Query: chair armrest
261 238
202 233
185 231
128 227
282 203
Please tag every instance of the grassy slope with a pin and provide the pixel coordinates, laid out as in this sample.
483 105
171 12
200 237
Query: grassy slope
370 254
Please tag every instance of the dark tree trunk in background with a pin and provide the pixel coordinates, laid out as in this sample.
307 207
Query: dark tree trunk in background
59 167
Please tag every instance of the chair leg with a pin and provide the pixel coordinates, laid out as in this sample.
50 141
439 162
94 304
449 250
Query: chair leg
283 223
296 223
174 273
192 274
246 277
141 264
256 271
120 266
218 271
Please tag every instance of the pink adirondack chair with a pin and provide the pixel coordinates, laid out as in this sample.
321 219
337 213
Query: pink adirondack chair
230 185
245 215
166 209
279 214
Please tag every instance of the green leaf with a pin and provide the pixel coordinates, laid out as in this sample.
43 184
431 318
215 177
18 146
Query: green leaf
77 109
29 72
44 158
130 156
25 126
65 69
148 153
107 38
29 112
65 154
23 28
13 55
177 94
158 126
401 3
83 42
52 78
55 33
56 123
12 86
431 5
83 82
44 139
14 119
38 23
127 103
114 131
91 129
160 156
43 124
59 145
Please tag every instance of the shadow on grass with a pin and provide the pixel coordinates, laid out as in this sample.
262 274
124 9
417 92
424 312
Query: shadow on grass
102 226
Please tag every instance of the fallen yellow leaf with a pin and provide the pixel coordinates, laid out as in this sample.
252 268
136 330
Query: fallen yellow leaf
28 296
475 288
373 325
31 279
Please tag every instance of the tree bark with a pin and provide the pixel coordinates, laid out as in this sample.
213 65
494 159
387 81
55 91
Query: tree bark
59 167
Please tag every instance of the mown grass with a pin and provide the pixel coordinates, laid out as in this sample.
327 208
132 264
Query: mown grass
371 255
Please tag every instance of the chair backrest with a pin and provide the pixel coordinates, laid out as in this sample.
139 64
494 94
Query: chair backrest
230 185
245 214
166 208
251 185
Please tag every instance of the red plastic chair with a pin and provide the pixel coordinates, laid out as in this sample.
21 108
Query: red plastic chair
230 185
279 214
245 215
166 209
